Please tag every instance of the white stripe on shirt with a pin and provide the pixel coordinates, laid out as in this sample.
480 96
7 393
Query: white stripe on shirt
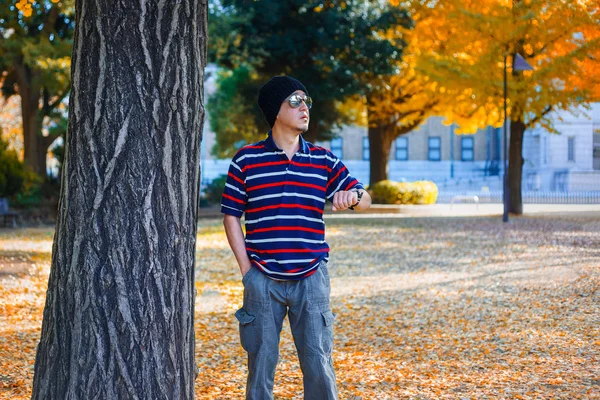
236 189
338 187
236 166
272 260
316 156
285 194
254 221
223 205
308 175
274 153
249 177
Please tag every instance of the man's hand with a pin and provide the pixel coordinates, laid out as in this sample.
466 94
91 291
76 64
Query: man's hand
344 199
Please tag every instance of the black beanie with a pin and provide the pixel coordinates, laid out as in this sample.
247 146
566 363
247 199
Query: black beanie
274 92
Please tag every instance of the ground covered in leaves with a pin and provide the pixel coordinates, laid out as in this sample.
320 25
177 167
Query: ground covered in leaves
427 308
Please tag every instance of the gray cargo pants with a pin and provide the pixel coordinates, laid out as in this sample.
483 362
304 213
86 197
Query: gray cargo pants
266 303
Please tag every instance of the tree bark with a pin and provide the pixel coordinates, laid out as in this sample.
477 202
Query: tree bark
380 143
118 320
515 167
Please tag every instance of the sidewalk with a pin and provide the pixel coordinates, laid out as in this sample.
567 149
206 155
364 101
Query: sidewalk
445 210
467 210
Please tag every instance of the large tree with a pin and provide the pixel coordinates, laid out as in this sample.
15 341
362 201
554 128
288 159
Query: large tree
471 38
35 46
337 49
118 320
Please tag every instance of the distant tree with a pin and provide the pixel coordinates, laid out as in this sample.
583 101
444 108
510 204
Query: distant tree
337 49
36 38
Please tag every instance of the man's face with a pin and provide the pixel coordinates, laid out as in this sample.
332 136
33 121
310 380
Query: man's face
293 118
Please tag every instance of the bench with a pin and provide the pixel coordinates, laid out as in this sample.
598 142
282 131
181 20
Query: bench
6 214
474 199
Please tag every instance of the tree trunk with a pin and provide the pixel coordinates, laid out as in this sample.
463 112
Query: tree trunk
33 141
380 143
118 320
515 167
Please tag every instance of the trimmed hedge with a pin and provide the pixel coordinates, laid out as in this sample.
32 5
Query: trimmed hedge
390 192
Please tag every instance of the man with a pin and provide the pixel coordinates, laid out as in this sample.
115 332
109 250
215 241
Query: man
282 184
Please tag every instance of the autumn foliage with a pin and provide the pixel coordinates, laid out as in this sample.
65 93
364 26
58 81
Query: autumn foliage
426 308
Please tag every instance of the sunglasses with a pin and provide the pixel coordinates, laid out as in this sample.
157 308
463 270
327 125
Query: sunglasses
296 100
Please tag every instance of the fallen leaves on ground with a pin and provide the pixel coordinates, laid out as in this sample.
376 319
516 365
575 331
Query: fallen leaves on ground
427 308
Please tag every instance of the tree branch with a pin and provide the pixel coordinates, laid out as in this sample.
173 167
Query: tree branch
59 98
539 117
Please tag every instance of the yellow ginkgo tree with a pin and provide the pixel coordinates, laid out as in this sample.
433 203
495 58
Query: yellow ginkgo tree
468 43
396 103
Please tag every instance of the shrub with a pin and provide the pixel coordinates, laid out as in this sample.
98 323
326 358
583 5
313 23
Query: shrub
213 191
12 171
390 192
31 191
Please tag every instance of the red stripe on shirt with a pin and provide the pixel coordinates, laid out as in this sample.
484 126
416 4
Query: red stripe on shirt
285 228
266 164
310 165
254 147
354 182
234 199
267 185
336 176
285 206
288 251
236 178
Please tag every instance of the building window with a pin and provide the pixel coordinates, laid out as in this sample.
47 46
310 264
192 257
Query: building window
571 149
336 147
467 149
402 149
365 148
435 148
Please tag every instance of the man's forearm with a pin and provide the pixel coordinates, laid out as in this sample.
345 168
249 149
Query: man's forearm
235 237
365 201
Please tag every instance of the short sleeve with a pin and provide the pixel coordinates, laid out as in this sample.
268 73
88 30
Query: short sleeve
234 199
340 179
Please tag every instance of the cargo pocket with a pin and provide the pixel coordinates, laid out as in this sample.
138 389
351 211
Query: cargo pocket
248 334
327 334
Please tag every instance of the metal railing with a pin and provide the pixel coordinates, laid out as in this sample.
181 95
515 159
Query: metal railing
529 197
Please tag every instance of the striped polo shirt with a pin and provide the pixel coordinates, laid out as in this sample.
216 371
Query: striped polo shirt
283 201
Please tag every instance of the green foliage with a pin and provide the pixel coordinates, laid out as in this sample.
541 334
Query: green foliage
31 192
337 49
40 43
390 192
234 114
12 171
214 190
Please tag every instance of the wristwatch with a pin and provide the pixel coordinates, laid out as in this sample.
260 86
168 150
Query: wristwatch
358 197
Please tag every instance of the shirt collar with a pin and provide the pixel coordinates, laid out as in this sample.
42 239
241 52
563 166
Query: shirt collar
270 143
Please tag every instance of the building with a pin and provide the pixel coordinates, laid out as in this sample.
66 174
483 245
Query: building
567 161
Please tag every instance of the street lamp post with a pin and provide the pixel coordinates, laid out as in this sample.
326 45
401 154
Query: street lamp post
519 64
